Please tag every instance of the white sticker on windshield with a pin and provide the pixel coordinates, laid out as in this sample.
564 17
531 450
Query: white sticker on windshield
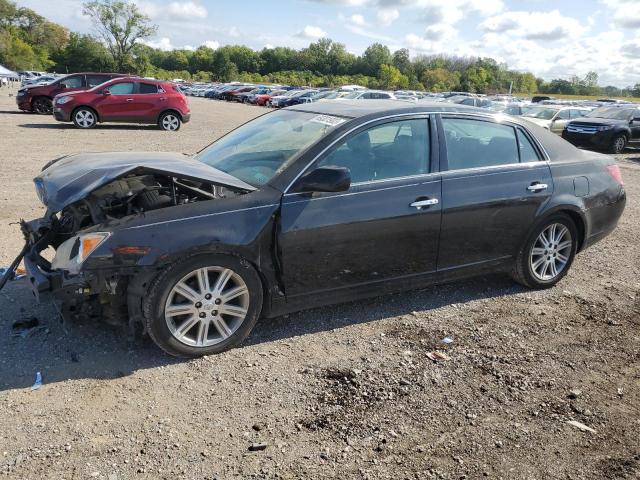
328 120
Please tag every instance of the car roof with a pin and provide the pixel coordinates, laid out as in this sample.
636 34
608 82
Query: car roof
356 109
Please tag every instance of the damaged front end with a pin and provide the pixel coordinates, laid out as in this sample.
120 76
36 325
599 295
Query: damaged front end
88 200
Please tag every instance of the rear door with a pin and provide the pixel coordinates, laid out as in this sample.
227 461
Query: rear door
147 102
494 181
386 226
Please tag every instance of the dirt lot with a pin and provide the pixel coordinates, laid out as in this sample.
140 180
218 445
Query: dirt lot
345 391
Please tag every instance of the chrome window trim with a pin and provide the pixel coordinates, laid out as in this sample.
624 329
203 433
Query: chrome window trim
427 113
349 194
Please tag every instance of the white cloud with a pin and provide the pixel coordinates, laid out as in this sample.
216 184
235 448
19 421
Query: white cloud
358 19
387 16
186 11
214 44
163 43
625 13
440 31
534 25
311 32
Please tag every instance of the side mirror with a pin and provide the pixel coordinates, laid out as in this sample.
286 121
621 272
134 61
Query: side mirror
106 92
325 179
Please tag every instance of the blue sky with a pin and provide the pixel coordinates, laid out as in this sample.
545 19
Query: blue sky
553 39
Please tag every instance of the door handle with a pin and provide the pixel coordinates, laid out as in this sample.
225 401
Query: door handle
162 99
129 100
420 204
537 187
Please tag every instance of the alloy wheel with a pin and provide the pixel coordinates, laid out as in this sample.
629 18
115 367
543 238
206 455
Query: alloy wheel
43 106
170 122
207 306
551 252
619 144
85 118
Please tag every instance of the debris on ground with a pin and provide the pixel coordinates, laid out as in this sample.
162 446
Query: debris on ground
38 383
581 426
24 327
17 274
256 447
438 356
447 340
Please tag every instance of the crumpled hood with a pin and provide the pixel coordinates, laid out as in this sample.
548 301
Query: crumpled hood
71 178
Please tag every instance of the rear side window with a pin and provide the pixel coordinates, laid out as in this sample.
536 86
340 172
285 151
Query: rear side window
94 80
476 143
72 82
125 88
148 88
527 152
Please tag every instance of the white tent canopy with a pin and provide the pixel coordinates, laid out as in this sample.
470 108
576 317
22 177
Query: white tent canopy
5 72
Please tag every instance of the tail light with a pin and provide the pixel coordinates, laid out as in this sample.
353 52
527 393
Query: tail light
614 171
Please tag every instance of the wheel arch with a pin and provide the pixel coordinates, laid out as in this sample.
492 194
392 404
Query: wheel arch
88 107
169 110
574 213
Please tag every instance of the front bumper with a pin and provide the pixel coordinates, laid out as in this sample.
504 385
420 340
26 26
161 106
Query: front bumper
598 141
24 103
186 118
61 115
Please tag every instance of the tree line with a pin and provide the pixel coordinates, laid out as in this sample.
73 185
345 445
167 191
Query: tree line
29 41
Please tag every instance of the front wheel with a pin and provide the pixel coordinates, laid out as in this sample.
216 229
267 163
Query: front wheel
42 106
204 305
84 118
618 144
169 121
548 253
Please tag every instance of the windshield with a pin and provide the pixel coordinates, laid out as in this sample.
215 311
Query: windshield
260 149
352 95
542 113
615 113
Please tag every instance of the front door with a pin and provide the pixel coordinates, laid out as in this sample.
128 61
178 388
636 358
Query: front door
386 226
119 105
494 184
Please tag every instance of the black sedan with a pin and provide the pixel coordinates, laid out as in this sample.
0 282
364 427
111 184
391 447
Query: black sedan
309 206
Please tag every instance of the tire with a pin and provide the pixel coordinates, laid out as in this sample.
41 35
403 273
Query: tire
84 118
42 105
169 121
185 323
618 144
540 267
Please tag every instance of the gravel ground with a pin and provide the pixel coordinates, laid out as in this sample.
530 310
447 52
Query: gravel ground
347 390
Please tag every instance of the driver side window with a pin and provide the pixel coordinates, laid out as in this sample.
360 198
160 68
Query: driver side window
391 150
124 88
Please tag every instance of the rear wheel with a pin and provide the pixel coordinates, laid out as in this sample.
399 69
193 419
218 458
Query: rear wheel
204 305
548 253
84 118
169 121
618 144
42 105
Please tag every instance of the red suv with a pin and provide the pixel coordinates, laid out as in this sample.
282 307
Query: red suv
38 98
127 99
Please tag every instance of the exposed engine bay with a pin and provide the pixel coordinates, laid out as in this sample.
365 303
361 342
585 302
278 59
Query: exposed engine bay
135 194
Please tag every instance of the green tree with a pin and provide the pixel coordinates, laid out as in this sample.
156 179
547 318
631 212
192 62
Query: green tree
391 78
402 61
121 25
373 58
83 53
440 80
